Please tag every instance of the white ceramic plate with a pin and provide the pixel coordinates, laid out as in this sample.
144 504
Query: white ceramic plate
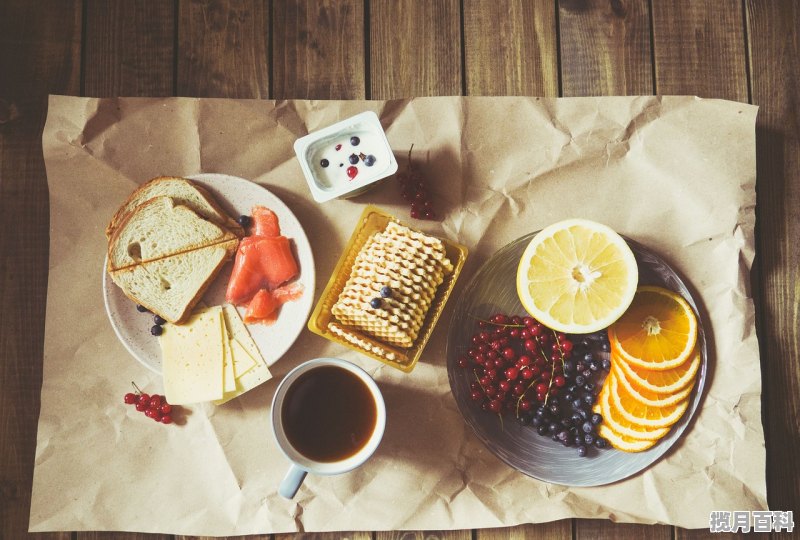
237 196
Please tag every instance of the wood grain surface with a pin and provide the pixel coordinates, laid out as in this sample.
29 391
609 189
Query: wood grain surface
745 50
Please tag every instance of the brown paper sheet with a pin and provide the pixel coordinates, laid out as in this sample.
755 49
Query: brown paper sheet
674 173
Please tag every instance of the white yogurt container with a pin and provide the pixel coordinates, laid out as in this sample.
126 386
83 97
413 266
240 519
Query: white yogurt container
341 160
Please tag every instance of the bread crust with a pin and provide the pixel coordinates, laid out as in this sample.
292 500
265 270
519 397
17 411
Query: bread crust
123 211
112 243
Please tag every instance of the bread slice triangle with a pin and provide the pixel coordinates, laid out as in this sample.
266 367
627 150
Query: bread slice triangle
171 286
161 228
182 191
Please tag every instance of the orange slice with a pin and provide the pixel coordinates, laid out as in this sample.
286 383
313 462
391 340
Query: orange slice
577 276
623 442
647 397
658 331
623 427
638 413
665 381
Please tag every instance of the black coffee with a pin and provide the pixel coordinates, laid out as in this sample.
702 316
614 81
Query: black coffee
328 414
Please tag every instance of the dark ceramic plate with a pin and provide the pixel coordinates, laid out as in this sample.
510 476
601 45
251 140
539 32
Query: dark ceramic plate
492 290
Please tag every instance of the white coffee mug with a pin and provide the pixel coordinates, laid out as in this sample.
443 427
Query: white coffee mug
301 464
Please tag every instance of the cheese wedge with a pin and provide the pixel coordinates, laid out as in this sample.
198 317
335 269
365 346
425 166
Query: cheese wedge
249 366
242 361
229 379
193 358
238 331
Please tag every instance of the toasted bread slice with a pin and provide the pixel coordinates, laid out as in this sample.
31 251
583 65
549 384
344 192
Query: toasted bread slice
182 191
160 228
171 286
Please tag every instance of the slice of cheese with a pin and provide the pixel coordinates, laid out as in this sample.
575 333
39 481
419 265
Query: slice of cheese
242 361
193 358
238 331
249 366
229 379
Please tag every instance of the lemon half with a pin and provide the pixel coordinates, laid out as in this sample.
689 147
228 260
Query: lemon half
577 276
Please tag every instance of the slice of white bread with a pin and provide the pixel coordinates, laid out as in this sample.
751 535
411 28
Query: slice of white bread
171 286
182 191
161 228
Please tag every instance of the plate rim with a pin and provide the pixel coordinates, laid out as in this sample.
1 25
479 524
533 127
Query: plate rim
696 394
107 284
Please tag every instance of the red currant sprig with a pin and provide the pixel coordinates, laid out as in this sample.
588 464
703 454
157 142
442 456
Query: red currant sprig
153 406
415 191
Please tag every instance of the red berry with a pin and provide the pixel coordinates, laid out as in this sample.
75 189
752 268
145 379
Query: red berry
415 214
535 330
525 404
352 172
512 373
166 408
505 386
527 374
495 406
519 389
166 419
499 318
509 353
559 381
463 363
130 398
524 360
155 401
476 395
141 406
541 388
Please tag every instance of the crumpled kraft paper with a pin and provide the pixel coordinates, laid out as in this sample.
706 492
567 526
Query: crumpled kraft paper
674 173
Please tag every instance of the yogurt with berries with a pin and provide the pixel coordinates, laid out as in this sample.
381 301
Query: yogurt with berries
345 158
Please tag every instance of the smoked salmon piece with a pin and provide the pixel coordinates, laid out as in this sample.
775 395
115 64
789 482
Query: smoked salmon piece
264 262
265 222
263 308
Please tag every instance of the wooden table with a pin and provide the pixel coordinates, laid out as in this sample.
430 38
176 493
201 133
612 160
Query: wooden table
743 50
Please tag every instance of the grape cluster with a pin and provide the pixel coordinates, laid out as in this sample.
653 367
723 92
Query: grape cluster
547 379
153 406
415 191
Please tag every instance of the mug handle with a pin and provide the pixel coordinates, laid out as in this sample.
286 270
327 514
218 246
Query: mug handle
292 481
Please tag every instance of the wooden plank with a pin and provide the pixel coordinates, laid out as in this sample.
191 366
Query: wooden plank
510 48
699 48
423 535
129 48
415 48
223 48
318 49
605 47
774 50
704 534
601 529
606 50
39 54
96 535
326 536
555 530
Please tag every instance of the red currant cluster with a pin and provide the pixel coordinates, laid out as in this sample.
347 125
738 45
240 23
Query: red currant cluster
415 191
549 382
155 406
516 361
